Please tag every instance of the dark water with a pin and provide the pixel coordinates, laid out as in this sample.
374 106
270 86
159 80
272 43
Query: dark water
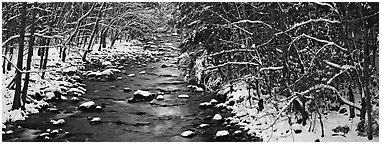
122 121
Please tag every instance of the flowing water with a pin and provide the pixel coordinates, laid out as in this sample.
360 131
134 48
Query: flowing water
122 121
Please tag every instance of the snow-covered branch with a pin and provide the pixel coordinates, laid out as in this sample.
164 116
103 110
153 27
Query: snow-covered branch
324 41
306 22
229 51
231 63
271 68
303 93
27 35
251 21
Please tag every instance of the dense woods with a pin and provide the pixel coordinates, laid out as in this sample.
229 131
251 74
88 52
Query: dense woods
313 57
310 52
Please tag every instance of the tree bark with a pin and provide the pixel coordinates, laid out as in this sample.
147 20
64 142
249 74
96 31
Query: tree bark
30 54
17 99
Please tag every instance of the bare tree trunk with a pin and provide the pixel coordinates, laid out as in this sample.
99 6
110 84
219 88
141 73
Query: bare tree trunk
93 33
366 87
41 51
5 53
17 99
46 57
29 59
351 99
9 66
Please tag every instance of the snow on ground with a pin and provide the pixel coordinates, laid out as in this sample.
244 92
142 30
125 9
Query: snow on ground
53 79
262 123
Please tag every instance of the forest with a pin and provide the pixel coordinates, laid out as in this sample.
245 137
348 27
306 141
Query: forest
190 71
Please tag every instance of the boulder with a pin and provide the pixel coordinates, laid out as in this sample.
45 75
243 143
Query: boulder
142 72
131 75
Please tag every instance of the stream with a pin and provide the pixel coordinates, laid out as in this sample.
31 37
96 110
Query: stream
134 122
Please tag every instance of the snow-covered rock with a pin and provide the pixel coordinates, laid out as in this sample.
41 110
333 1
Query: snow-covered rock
160 97
98 108
96 120
222 133
75 99
221 106
9 132
188 134
183 96
72 90
64 98
237 132
106 63
205 104
217 117
87 105
54 132
143 95
58 122
198 89
213 101
126 89
203 125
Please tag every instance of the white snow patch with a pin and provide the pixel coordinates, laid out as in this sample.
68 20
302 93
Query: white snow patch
183 96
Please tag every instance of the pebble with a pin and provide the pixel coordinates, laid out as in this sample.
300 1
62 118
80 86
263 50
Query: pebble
222 133
217 117
183 96
188 134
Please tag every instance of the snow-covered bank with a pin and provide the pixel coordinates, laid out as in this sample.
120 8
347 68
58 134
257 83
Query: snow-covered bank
284 127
